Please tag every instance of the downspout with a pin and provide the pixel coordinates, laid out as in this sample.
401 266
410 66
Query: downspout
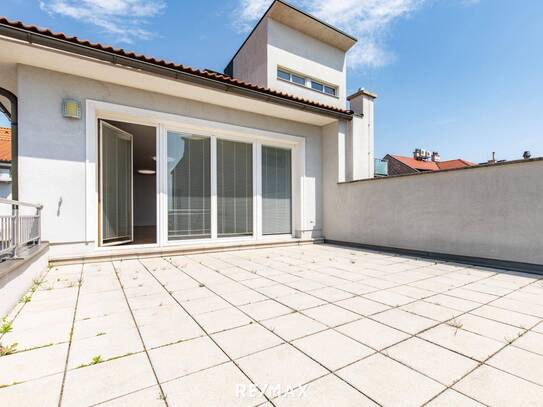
13 117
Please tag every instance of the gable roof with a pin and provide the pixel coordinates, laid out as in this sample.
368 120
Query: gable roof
5 145
119 56
452 164
431 165
416 164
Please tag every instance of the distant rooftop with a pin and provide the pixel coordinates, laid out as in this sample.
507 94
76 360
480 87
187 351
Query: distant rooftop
423 165
5 145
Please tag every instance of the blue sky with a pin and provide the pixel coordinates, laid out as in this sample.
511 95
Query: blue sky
462 77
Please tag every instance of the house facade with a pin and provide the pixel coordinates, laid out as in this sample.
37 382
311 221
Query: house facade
126 152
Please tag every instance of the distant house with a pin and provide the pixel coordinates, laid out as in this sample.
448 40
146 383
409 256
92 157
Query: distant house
5 162
400 165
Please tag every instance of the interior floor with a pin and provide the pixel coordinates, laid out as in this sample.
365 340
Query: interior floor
144 234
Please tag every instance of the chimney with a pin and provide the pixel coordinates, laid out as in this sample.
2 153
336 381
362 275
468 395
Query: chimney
493 160
359 150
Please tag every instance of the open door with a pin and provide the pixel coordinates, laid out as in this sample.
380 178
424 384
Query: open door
116 186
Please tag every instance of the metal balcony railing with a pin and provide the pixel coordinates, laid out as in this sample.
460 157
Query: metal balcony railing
18 230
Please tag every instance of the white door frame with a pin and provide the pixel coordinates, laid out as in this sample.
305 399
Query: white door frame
163 122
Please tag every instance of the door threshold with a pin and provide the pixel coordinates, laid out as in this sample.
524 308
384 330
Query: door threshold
150 252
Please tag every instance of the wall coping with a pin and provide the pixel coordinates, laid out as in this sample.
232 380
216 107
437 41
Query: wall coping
508 265
26 256
430 173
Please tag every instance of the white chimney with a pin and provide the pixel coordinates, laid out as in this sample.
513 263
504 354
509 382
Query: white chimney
360 151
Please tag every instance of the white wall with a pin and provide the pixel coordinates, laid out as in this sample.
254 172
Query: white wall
8 78
250 64
52 148
491 212
301 53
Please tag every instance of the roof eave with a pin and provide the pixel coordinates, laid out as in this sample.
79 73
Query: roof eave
35 38
287 4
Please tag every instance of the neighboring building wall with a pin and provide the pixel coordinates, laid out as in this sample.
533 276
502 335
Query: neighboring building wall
250 64
52 148
396 167
300 53
493 212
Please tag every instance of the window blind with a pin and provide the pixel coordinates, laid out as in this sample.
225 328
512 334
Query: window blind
276 191
189 187
234 188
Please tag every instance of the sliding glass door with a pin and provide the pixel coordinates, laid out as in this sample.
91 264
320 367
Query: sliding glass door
189 186
217 188
234 188
276 191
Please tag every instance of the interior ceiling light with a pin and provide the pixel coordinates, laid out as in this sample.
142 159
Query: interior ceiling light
147 172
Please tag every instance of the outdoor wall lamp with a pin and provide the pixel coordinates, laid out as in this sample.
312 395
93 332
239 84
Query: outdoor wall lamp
71 109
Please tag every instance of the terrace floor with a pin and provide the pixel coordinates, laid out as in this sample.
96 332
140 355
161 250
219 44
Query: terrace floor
314 325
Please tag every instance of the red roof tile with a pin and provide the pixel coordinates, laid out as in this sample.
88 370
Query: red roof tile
214 76
452 164
5 144
431 165
417 164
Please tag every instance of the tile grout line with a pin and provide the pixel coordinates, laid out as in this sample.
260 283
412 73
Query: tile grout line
80 283
423 299
163 395
375 351
330 371
411 335
41 278
206 332
484 362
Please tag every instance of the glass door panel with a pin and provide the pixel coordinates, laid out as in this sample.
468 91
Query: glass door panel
116 185
234 188
189 186
276 191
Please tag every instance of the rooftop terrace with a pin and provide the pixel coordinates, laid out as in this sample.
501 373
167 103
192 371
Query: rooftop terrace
309 325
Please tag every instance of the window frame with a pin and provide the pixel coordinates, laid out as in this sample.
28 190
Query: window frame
257 143
166 225
164 122
252 168
308 82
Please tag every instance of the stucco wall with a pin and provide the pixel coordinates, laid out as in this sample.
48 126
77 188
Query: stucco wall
8 78
52 148
491 212
250 64
300 53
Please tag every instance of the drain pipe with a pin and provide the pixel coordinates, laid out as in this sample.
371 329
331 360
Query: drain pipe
13 117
